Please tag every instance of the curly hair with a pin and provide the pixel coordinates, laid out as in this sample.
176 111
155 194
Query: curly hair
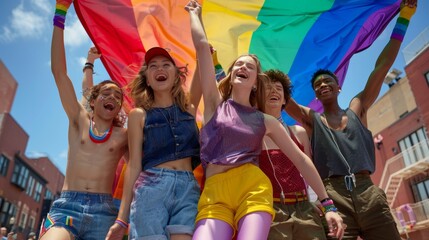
143 94
256 98
119 120
276 75
321 72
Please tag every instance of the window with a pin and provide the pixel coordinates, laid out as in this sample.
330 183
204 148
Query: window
423 190
31 223
30 186
414 147
4 163
421 193
22 220
48 194
20 175
38 192
427 77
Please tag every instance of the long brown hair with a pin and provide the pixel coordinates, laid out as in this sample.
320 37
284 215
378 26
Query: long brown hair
143 94
256 98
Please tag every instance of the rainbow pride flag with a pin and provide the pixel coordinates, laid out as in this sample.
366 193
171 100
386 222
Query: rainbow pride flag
297 37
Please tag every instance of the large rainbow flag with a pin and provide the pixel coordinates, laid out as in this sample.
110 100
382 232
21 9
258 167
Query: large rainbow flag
297 37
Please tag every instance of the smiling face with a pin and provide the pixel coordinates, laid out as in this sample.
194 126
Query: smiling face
325 86
244 72
106 99
161 73
274 96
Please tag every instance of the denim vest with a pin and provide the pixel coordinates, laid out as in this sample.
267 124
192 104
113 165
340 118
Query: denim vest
169 134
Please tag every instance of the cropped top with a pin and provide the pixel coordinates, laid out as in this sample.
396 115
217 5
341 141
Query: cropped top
233 136
287 174
169 134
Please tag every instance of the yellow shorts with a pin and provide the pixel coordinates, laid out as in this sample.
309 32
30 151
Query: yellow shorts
233 194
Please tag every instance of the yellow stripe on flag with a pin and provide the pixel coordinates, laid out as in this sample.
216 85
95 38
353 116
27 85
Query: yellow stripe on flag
239 17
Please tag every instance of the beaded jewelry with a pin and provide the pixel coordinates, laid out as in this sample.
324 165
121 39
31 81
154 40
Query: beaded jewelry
99 139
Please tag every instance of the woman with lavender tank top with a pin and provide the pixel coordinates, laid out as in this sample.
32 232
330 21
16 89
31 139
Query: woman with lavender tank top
237 196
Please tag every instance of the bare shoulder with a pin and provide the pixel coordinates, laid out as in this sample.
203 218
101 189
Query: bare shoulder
136 113
270 123
136 117
300 133
297 129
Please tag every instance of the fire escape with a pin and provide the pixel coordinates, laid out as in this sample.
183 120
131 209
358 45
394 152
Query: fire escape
403 166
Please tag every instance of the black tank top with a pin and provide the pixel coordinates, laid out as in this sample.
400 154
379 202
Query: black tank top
354 141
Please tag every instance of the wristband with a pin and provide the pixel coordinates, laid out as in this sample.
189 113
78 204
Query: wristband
88 65
401 26
121 223
60 12
219 72
407 12
328 206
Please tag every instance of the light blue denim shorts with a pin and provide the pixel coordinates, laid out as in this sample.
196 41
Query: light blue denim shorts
88 216
165 203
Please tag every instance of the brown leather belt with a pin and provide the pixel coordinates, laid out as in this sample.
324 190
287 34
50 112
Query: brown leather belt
361 173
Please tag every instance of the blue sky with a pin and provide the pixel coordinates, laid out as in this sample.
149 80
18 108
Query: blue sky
25 37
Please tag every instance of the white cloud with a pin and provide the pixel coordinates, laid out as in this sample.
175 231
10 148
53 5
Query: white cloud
82 61
25 24
74 34
43 5
35 154
63 155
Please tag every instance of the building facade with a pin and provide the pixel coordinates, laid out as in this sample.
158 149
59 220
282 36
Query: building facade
399 121
27 185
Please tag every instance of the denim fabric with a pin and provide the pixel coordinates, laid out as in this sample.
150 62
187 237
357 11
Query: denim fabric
165 202
88 216
169 134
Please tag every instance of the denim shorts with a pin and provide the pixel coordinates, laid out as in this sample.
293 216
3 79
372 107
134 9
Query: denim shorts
165 203
88 216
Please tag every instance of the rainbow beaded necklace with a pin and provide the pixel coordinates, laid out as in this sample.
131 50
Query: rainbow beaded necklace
99 139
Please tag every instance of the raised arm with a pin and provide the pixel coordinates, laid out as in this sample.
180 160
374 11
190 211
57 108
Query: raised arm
211 95
302 114
136 120
195 90
58 64
366 98
88 71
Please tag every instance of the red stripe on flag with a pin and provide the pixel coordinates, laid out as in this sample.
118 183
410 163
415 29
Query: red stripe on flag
112 27
123 30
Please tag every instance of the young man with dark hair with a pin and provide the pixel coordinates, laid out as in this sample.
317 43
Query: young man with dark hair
342 146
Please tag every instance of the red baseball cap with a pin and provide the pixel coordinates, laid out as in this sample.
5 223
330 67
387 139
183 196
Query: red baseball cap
157 51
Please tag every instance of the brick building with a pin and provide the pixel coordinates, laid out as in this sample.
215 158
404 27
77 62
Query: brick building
27 185
399 121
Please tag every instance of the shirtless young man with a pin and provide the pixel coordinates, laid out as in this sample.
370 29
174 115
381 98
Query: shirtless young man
85 209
